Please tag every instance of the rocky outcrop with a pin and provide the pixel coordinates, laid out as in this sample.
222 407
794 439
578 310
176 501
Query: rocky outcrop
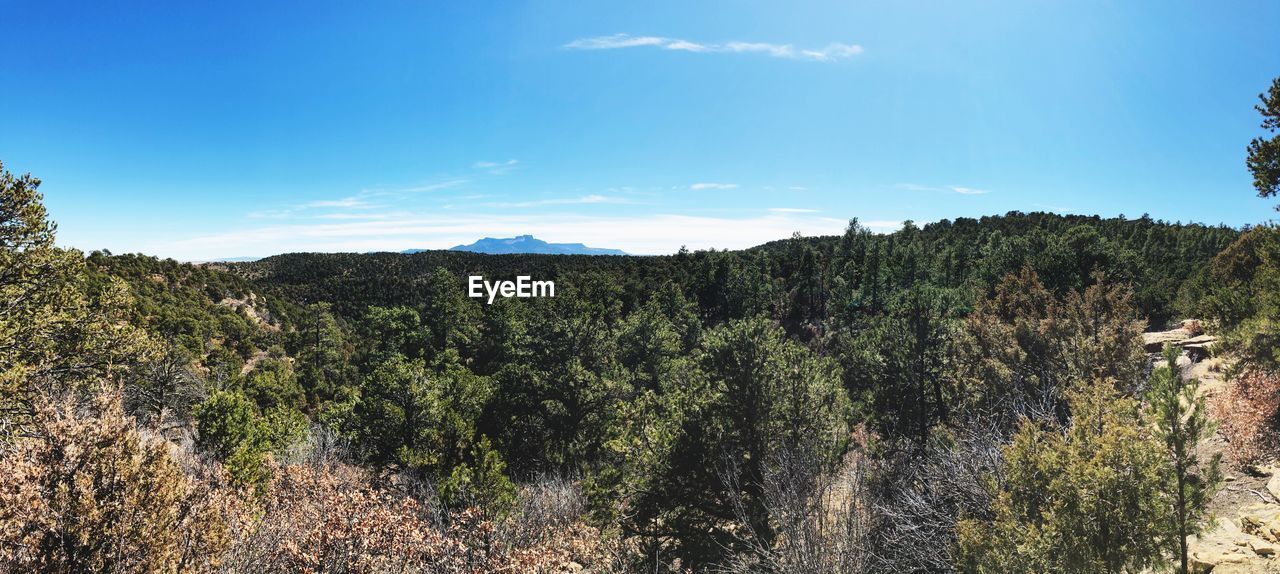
1247 540
1199 348
1247 543
1189 337
252 307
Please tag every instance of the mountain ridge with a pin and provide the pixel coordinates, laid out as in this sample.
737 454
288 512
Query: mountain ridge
528 244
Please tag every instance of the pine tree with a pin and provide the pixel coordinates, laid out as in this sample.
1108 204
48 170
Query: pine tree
1264 153
322 355
56 333
1181 422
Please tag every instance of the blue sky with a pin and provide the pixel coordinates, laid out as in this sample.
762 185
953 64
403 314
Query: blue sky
232 129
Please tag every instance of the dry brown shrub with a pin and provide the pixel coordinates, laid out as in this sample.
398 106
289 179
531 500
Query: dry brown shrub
338 518
821 519
82 491
1248 411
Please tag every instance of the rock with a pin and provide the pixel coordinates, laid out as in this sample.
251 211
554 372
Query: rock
1233 558
1217 558
1273 486
1227 548
1199 348
1154 342
1250 524
1237 569
1189 337
1199 564
1199 340
1260 470
1229 478
1257 526
1262 521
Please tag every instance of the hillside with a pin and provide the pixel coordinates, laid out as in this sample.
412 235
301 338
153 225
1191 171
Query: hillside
969 255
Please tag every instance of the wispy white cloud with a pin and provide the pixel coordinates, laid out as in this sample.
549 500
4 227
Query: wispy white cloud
414 189
583 200
271 213
712 185
830 53
945 189
623 41
353 202
792 210
360 216
496 167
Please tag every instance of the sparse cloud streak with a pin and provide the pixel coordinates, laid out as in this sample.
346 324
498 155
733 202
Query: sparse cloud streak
496 167
943 189
354 204
712 185
583 200
830 53
346 203
426 188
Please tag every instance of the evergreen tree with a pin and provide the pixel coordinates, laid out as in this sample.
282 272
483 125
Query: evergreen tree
1264 153
1181 422
236 432
1089 498
58 333
451 318
899 363
423 418
768 398
322 354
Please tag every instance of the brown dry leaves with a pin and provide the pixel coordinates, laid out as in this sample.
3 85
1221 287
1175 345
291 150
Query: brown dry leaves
84 490
335 518
1247 411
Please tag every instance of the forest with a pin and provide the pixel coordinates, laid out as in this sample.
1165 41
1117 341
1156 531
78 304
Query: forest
968 395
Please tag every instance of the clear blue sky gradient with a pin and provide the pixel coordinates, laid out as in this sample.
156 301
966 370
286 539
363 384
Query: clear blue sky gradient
232 129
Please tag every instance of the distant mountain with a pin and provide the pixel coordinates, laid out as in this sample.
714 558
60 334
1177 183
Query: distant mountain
230 260
529 244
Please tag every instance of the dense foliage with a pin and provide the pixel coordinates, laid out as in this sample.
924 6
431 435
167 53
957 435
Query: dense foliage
700 399
925 400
